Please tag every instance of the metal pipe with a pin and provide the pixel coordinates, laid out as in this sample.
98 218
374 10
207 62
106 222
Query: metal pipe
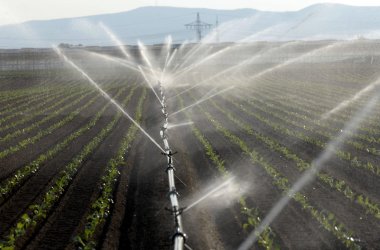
179 237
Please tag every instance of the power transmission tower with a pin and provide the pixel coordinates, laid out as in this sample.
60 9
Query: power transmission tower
198 26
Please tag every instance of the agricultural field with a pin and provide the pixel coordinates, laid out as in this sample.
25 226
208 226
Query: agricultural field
76 173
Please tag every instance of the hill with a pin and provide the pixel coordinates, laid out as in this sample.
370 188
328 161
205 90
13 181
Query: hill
153 24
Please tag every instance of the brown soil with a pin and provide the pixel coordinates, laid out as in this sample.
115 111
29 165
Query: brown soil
14 161
39 182
308 234
61 225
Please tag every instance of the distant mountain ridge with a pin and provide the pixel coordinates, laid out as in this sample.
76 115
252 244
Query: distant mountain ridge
152 24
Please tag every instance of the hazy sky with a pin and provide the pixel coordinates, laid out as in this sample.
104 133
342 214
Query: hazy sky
12 11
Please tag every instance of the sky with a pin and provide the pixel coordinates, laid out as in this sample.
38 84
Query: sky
15 11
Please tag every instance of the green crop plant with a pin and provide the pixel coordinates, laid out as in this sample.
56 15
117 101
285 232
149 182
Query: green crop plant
101 207
31 140
339 185
252 215
45 102
39 111
286 131
9 185
329 222
38 212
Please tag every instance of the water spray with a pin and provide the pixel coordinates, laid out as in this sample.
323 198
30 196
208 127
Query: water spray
315 168
104 94
167 63
115 60
346 103
167 56
229 69
168 48
182 124
195 50
178 237
150 85
146 59
115 39
202 100
298 59
244 63
172 57
213 191
192 66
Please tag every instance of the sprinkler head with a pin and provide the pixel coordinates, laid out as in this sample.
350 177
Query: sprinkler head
170 153
170 167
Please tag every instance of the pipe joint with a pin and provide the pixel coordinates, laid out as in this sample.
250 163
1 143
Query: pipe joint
173 192
177 234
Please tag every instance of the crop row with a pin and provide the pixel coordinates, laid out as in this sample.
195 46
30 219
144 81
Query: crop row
23 103
312 91
325 77
52 115
326 219
47 118
252 215
101 207
44 108
40 134
353 161
307 124
312 105
27 103
367 143
48 86
300 96
37 107
36 213
10 95
339 185
8 186
324 86
322 90
321 127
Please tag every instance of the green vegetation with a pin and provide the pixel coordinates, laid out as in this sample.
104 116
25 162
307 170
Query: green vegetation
339 185
101 207
9 185
39 211
326 219
252 215
284 130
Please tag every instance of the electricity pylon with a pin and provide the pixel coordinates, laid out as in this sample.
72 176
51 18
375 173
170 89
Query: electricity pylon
198 26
